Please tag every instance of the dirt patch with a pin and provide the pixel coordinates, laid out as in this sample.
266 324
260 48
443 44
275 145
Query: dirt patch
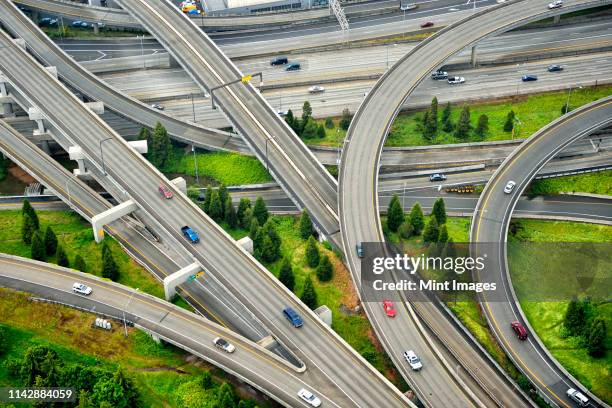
343 281
20 174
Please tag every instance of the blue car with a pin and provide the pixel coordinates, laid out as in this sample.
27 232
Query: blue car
527 78
293 317
190 234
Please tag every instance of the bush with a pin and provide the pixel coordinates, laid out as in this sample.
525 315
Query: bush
325 270
309 294
50 241
329 123
405 230
321 132
311 129
312 253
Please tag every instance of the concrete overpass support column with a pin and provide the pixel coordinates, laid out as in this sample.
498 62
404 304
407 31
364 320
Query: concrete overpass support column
178 277
96 28
98 221
7 105
556 19
36 115
473 60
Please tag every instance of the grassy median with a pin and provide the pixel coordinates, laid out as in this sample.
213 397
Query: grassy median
593 183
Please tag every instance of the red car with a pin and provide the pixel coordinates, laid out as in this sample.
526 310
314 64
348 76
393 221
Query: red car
389 309
520 330
163 190
427 24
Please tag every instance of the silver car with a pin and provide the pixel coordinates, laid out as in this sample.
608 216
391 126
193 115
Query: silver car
316 89
509 187
309 397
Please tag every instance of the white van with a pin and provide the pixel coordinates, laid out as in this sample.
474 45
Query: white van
81 288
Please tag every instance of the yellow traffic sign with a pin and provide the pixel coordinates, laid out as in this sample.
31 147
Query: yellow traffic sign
247 78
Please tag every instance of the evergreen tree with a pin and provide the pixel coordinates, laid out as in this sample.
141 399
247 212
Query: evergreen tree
293 122
27 228
447 125
267 249
215 210
258 241
433 114
509 124
3 341
429 126
309 295
483 125
312 253
260 211
306 229
286 275
144 134
274 252
446 113
160 149
345 120
432 231
62 258
79 263
207 198
596 338
110 270
321 132
329 123
417 219
50 241
225 397
37 248
28 209
247 219
462 130
230 214
406 230
325 270
395 213
242 207
306 112
253 228
575 317
443 235
439 211
310 129
223 196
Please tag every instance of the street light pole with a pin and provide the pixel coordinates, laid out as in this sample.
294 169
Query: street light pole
102 154
195 164
193 108
126 306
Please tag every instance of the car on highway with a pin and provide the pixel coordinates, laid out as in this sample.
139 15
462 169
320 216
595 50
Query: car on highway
389 308
48 22
194 12
413 361
309 397
224 345
554 68
359 249
315 89
157 106
509 187
455 80
437 177
529 77
439 75
279 61
79 24
294 66
519 330
165 192
293 317
81 288
578 397
190 234
427 24
555 4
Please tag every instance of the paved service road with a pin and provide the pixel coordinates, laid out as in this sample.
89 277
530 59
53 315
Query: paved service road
490 225
339 372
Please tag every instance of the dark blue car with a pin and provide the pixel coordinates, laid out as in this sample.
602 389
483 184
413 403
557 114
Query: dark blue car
527 78
293 317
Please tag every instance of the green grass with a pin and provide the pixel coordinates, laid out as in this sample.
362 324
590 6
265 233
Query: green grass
333 136
218 167
158 370
71 32
562 231
534 111
594 183
76 236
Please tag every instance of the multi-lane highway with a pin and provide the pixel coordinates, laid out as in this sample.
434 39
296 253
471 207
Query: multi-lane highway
250 362
267 134
358 200
490 225
341 373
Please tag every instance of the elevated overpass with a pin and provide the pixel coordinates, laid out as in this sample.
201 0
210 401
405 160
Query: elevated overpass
490 225
343 375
